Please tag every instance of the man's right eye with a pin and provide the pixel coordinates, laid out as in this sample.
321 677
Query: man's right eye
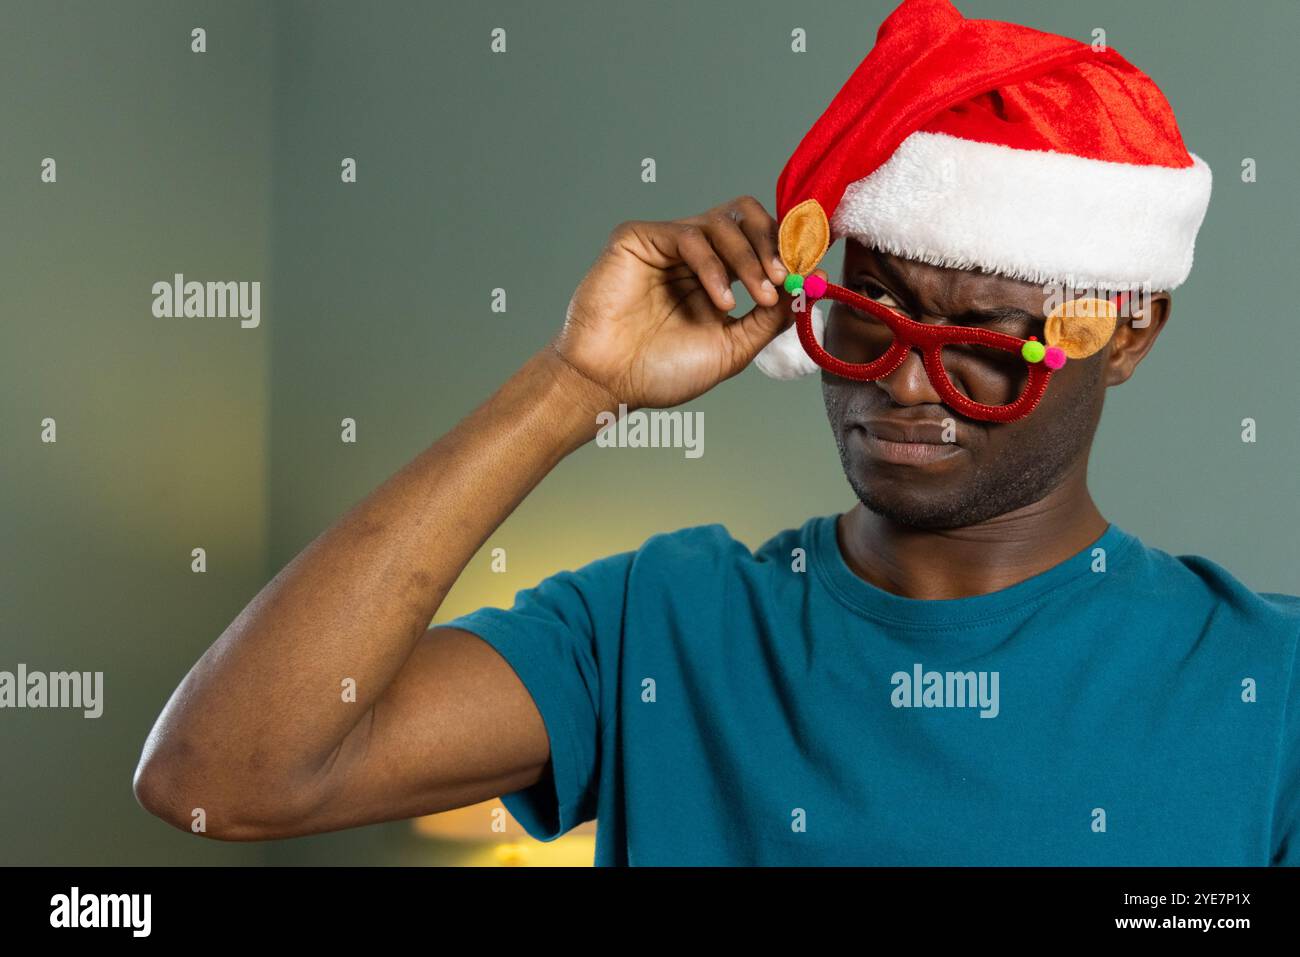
877 293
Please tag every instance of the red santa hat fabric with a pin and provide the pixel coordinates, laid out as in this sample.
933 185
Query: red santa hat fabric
981 144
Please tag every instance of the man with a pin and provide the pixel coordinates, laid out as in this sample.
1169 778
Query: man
971 666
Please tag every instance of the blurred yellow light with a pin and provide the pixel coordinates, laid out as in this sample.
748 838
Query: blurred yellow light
492 838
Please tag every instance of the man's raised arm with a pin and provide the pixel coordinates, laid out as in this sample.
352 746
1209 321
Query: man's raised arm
258 734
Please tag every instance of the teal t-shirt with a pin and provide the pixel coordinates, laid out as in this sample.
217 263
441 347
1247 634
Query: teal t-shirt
709 705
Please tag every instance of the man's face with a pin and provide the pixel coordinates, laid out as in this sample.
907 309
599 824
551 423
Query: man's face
890 432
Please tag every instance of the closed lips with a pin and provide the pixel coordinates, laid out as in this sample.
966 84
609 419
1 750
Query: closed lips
922 433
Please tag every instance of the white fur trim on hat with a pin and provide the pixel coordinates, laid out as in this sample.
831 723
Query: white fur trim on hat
784 357
1030 214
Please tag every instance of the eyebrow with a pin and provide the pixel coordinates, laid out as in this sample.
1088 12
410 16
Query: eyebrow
998 314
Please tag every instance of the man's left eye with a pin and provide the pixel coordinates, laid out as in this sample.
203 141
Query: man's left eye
1021 326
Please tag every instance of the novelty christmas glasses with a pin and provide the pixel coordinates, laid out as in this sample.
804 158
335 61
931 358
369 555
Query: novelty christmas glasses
981 373
977 371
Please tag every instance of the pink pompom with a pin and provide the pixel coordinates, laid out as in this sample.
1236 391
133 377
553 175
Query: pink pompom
1054 357
814 287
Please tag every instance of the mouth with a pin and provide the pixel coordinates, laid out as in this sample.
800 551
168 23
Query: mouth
913 443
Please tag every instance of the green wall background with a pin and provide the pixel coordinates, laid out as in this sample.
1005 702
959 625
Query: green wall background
478 171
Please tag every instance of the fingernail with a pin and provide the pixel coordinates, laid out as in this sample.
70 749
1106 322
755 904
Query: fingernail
768 287
779 267
728 298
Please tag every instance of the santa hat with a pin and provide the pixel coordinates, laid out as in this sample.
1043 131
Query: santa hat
984 145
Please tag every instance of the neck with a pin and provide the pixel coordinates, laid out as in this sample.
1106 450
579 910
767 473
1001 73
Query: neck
976 559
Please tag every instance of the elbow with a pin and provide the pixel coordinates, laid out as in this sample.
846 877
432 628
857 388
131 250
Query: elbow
158 789
170 792
207 805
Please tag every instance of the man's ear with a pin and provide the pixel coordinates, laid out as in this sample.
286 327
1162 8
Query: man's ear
1135 334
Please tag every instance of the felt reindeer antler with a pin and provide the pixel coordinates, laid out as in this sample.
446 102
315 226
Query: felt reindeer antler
1081 327
803 239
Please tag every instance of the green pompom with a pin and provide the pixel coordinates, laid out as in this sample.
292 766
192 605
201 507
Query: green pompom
793 283
1033 351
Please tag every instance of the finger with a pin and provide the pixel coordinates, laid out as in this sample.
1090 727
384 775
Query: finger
694 249
799 300
754 330
761 230
738 253
748 335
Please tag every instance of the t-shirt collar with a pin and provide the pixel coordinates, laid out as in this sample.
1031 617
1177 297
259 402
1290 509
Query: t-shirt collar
866 599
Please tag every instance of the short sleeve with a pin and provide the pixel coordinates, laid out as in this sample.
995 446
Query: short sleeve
553 638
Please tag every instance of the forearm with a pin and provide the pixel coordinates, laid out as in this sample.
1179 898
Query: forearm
262 707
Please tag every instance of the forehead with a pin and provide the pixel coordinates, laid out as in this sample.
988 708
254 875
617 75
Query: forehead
940 289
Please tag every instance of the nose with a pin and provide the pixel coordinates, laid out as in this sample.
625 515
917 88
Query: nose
909 384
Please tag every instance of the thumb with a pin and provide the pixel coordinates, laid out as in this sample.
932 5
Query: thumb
753 331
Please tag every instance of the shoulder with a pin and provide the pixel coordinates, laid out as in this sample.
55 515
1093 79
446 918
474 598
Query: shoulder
713 548
705 580
691 565
1196 584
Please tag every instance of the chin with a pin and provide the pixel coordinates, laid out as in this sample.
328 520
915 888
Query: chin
930 498
917 511
915 499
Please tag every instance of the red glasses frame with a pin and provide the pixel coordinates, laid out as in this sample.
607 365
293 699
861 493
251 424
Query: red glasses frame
928 339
